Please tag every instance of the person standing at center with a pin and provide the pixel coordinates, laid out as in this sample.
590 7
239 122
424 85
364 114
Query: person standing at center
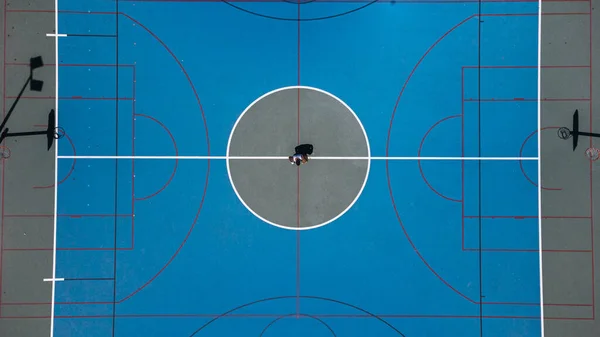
301 155
298 159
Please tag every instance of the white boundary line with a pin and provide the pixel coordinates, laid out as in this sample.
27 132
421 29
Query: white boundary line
56 157
286 158
539 154
56 61
53 280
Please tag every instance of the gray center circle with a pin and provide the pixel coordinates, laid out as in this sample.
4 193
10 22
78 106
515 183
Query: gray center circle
313 194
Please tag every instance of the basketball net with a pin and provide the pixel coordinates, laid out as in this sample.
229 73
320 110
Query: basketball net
4 152
592 153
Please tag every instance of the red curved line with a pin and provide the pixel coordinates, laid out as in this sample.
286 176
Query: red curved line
176 160
70 170
417 250
387 146
187 76
419 162
521 162
387 169
207 164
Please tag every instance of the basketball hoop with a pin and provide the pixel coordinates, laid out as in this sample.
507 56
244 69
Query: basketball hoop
59 132
564 133
592 153
4 152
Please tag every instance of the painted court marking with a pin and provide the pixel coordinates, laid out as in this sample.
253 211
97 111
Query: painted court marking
55 220
347 108
57 157
539 163
311 158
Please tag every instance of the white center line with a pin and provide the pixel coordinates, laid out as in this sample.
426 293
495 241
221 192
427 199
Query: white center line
285 158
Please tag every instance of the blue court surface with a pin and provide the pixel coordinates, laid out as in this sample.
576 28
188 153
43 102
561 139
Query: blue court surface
163 246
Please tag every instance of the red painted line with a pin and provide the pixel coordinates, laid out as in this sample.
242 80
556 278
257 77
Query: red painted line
523 217
298 131
522 99
298 187
521 162
60 11
565 99
537 304
120 13
68 215
389 133
419 154
70 249
75 98
462 170
297 273
3 160
48 303
536 14
133 113
531 67
196 217
21 64
170 179
592 233
359 1
203 118
2 249
516 250
71 170
387 168
124 14
262 316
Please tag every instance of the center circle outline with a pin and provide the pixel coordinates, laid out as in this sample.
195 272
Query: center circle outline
366 178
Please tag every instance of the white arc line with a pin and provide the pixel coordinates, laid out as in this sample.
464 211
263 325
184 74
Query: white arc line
312 158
